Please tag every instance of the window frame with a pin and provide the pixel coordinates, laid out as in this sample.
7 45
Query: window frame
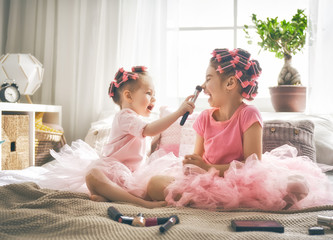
263 103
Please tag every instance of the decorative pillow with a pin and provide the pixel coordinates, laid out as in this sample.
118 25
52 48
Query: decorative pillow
324 139
323 132
299 134
170 138
188 136
178 139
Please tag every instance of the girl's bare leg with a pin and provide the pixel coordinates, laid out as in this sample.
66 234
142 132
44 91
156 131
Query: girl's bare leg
157 185
297 189
101 188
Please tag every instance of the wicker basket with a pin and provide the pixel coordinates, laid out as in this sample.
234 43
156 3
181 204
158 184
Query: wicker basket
44 142
15 148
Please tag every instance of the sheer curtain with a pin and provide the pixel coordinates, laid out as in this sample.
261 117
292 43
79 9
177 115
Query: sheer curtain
81 44
320 57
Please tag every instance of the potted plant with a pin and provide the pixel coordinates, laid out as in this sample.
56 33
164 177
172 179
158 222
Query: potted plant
284 39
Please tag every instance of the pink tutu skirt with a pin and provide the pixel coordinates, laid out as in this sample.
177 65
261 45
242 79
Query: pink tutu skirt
279 179
272 183
67 172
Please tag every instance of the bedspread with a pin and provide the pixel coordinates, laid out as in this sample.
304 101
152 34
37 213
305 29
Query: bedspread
28 212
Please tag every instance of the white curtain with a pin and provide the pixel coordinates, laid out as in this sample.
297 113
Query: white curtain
82 43
320 57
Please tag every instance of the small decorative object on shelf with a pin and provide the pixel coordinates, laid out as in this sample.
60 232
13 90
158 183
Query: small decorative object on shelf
9 92
25 70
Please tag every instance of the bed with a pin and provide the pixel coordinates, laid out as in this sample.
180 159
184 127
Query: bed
29 212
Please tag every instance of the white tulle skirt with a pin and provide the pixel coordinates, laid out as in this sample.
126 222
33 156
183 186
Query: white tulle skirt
71 165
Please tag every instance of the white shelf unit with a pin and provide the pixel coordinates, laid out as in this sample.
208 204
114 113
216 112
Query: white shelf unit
52 114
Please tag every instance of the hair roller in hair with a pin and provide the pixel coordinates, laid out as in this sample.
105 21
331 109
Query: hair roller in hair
225 67
222 55
250 92
242 79
254 69
234 52
243 54
139 69
243 63
111 89
221 51
123 76
235 60
119 73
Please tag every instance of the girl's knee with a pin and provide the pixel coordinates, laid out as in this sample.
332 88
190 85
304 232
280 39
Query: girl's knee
156 187
92 174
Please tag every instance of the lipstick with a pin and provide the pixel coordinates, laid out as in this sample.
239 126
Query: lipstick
171 221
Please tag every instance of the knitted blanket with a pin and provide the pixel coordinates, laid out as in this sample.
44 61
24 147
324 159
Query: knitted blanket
28 212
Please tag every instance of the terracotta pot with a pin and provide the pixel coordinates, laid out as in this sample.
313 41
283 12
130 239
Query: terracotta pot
288 98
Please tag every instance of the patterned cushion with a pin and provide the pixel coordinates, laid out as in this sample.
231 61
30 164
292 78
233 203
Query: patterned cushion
299 134
188 136
178 139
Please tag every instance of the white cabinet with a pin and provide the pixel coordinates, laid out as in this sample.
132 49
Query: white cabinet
52 115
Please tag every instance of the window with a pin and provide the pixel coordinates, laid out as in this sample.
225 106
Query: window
196 27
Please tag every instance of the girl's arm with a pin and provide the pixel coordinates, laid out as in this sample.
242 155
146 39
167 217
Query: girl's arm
196 159
161 124
199 146
252 143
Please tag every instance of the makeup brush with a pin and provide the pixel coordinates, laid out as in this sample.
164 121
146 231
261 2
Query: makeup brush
196 94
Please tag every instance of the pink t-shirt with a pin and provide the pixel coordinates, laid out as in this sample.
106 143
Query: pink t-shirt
223 141
126 143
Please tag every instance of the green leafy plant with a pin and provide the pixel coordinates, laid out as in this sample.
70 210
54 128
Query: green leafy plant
284 39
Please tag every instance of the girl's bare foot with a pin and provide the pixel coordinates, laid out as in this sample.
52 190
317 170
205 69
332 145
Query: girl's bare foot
98 198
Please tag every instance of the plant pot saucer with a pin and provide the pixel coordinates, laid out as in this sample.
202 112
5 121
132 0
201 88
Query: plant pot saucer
288 98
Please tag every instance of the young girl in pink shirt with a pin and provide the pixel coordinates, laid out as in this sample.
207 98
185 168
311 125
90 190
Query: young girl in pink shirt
227 169
123 171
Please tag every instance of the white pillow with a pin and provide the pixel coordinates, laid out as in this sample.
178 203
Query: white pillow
99 132
324 140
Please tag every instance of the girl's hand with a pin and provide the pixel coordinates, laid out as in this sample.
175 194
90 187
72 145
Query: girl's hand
187 106
197 160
